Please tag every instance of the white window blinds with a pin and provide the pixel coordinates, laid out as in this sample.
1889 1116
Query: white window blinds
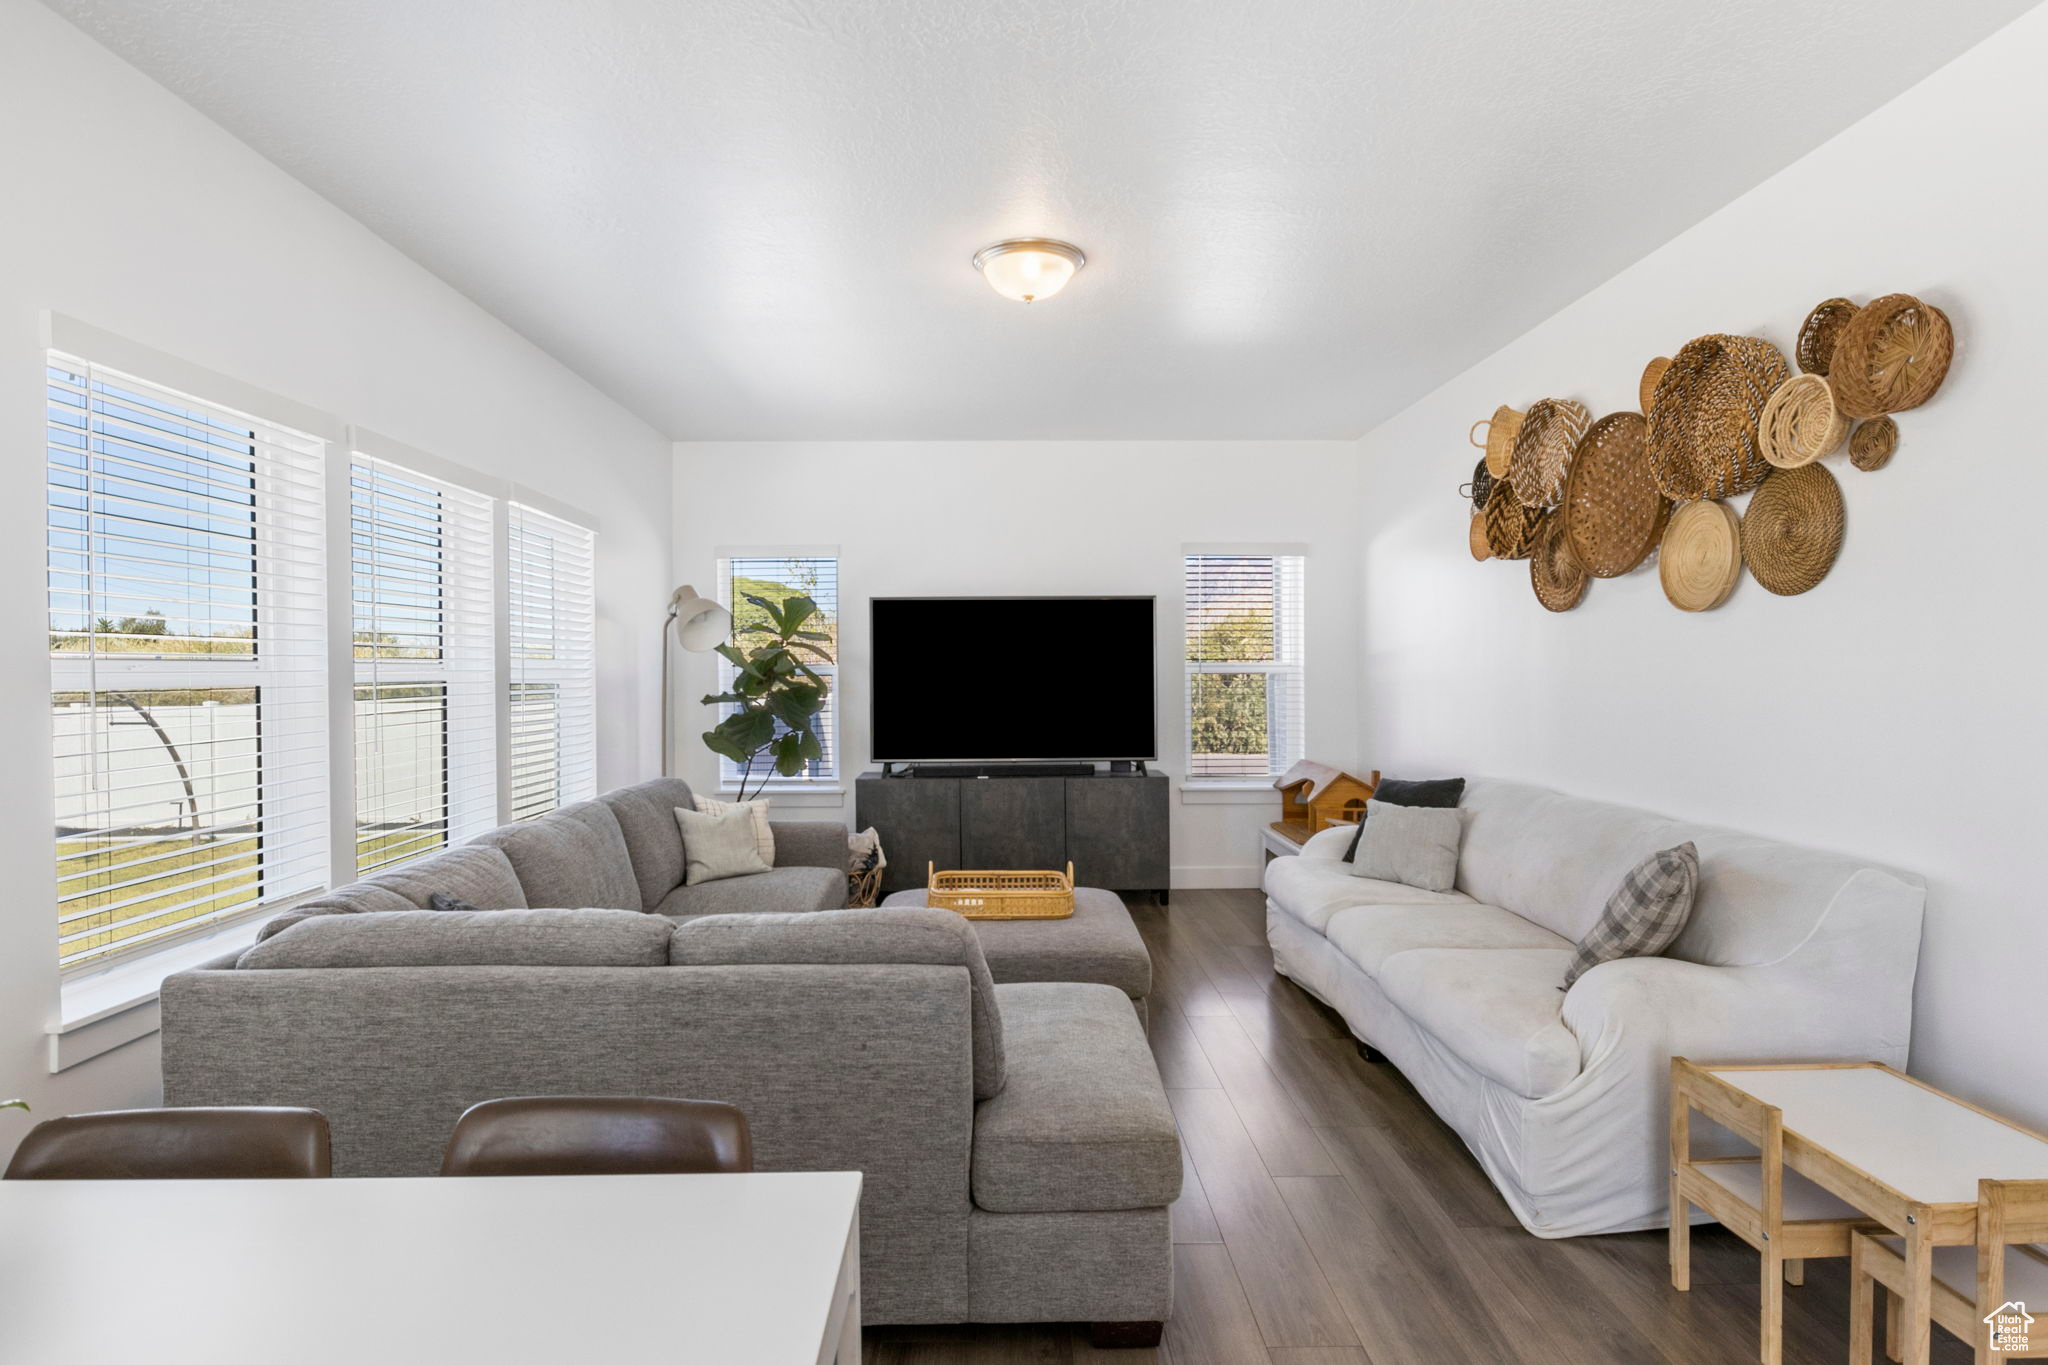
774 578
551 596
424 635
187 661
1244 664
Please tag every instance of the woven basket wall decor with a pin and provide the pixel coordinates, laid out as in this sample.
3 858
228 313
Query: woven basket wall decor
1543 450
1476 538
1892 356
1702 437
1509 525
1554 571
1499 442
1701 556
1613 511
1481 485
1873 443
1815 348
1646 388
1800 422
1793 529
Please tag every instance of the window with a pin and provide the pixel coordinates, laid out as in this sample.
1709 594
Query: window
774 577
551 593
1244 665
426 741
188 661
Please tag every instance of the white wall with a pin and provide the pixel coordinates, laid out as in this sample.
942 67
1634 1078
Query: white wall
1896 710
129 211
964 518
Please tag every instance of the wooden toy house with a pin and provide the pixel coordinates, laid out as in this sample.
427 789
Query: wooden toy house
1315 796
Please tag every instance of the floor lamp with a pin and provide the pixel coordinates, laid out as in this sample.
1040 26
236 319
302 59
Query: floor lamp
699 625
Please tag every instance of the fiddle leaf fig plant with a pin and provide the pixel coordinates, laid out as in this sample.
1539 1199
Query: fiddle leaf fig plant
14 1104
775 694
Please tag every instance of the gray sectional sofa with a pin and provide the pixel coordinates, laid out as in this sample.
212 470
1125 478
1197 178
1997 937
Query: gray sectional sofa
1018 1151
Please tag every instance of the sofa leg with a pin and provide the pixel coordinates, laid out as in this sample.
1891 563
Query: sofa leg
1111 1336
1369 1052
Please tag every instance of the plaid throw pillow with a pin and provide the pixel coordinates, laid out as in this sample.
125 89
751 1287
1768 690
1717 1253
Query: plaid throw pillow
1645 913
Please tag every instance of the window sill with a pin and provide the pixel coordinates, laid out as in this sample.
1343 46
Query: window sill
794 794
104 1010
1228 792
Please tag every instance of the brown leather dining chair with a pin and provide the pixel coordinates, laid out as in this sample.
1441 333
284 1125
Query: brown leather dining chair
244 1143
583 1135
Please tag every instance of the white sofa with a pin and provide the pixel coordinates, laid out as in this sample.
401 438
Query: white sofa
1791 954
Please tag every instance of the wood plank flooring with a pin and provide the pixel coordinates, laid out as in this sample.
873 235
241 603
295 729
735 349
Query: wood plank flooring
1329 1218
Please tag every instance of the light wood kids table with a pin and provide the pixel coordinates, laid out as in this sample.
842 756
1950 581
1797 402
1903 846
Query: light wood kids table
1888 1152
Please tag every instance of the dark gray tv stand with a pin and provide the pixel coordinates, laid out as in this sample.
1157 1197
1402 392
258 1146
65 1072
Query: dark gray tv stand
1111 825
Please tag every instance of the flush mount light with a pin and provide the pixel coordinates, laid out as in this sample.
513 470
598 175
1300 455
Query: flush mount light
1029 268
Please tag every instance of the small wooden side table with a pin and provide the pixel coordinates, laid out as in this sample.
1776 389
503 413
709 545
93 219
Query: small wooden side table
1905 1155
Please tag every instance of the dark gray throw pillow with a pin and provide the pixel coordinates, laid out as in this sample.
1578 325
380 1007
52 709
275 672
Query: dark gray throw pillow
441 900
1645 913
1442 793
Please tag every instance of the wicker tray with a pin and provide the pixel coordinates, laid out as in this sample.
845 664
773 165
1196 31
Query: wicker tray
1543 450
1555 573
1509 525
1702 437
1815 349
1800 423
1613 511
1002 895
1873 443
1793 529
1701 556
1892 356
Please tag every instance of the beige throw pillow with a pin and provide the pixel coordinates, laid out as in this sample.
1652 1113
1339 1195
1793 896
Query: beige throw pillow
764 835
718 846
1414 845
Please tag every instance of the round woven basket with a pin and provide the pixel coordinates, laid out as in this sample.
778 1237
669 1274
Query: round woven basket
1543 450
1793 529
1815 348
1509 525
1702 437
1800 424
1892 356
1701 556
1477 538
1499 442
1554 571
1646 388
1481 485
1873 443
1612 510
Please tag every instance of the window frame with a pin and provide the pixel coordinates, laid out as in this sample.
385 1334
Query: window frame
1286 672
831 782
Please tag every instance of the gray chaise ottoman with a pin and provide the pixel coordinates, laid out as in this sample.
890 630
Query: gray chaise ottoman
1096 943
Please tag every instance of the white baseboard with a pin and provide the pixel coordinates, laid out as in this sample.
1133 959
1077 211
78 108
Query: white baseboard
1228 876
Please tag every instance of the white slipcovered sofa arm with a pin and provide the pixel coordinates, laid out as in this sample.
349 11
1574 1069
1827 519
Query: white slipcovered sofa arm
1330 844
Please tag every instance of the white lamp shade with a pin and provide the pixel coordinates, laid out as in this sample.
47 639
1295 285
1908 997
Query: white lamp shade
1029 268
701 623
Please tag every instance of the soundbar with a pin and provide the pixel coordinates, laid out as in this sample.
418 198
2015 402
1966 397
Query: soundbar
992 770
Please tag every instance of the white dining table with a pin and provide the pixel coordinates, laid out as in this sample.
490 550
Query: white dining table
705 1269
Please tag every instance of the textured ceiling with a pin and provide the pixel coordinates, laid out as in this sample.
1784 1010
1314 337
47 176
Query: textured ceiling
753 218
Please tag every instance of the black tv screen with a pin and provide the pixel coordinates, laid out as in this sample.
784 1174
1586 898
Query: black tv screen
987 679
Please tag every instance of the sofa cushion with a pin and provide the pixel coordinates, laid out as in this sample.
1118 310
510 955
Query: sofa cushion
574 858
1370 934
716 847
1313 889
1436 793
475 873
1083 1123
462 938
1413 845
1645 913
780 890
921 937
357 898
646 813
1497 1009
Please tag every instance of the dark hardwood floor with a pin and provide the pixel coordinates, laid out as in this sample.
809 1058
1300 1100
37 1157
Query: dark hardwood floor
1329 1218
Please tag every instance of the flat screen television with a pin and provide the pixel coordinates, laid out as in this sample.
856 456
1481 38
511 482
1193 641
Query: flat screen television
998 679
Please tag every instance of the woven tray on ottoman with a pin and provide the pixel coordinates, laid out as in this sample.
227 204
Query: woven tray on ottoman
1098 942
1613 510
1702 437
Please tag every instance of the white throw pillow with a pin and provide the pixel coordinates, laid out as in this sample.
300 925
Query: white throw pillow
1413 845
718 846
764 836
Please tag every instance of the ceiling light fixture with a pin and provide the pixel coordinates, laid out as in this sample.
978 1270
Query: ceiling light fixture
1029 268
